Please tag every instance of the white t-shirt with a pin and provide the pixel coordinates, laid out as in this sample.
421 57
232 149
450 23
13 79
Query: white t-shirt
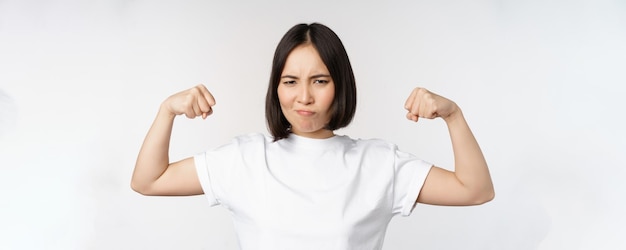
303 193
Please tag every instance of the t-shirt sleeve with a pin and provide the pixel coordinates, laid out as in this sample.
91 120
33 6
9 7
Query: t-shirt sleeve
410 174
204 177
214 168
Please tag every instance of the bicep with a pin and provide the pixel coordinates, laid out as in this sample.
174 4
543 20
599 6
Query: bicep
180 178
442 187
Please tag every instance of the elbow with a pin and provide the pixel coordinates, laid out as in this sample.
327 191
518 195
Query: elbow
140 188
484 196
136 187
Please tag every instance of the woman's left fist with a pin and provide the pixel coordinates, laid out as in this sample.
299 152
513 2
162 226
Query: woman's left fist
425 104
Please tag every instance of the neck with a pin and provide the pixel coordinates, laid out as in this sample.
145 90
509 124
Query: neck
320 134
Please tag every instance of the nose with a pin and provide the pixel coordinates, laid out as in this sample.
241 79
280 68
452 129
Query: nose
305 96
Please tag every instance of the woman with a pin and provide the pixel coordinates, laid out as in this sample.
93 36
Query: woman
305 187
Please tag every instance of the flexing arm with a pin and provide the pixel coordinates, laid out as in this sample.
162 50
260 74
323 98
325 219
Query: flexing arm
470 183
154 174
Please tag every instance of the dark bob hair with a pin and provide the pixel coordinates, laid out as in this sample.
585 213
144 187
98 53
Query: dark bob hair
334 56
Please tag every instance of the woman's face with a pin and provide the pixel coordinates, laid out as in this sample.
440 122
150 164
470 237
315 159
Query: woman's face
306 92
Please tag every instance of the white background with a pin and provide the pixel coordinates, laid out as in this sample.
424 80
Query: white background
540 82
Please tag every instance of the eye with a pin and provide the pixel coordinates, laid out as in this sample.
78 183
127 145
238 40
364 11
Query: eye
289 82
320 81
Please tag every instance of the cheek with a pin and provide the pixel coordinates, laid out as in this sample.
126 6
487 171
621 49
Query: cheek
329 98
283 106
282 96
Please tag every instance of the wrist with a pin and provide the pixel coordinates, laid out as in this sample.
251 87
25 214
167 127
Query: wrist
454 116
164 111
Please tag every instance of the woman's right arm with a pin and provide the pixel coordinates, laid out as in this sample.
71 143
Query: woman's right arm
154 174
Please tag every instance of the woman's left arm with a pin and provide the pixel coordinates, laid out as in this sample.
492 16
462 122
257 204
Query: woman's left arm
470 183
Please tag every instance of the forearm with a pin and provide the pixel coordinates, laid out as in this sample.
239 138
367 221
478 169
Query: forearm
470 165
153 158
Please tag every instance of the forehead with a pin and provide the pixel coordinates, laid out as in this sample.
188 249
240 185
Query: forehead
304 59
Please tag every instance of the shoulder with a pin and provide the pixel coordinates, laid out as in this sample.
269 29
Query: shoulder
246 146
242 142
251 142
371 144
252 138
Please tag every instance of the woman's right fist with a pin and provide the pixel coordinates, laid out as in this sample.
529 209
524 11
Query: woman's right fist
193 102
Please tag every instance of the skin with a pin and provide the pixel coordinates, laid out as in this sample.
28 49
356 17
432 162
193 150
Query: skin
305 94
154 174
470 183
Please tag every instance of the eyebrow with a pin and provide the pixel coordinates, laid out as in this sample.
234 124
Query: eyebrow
312 77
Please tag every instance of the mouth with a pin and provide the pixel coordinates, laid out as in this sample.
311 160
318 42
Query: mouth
305 112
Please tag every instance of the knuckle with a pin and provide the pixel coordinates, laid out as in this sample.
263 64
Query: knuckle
195 90
431 101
